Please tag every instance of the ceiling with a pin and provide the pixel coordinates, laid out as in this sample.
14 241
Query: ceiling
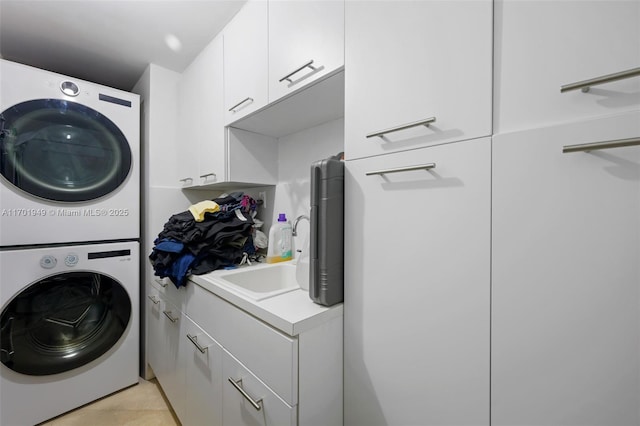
110 42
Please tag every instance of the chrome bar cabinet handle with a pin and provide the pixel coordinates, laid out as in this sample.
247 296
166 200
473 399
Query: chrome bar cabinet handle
160 281
586 147
238 385
424 122
170 316
428 166
585 85
194 340
240 103
186 179
207 175
154 299
288 76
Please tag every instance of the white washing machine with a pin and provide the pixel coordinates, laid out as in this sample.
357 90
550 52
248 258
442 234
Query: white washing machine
69 159
70 327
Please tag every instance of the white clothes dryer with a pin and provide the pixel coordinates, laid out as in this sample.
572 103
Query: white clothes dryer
70 327
69 159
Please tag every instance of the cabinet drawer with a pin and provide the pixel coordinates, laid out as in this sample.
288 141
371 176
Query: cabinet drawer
543 45
247 401
276 361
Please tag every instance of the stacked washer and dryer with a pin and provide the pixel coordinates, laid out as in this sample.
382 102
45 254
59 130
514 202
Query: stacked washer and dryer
69 242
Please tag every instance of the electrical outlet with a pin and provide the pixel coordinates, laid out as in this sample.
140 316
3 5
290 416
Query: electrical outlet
262 195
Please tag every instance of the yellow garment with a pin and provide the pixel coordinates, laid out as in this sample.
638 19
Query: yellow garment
199 209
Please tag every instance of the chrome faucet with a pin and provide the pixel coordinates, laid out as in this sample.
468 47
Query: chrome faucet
295 224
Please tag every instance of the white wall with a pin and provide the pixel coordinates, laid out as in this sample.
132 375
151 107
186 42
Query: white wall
296 152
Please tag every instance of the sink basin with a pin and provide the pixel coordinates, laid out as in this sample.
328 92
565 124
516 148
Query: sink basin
262 282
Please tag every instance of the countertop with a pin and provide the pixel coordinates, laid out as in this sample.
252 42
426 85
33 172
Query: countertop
292 312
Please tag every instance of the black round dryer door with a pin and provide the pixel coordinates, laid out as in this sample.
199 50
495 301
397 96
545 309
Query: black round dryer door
63 322
62 151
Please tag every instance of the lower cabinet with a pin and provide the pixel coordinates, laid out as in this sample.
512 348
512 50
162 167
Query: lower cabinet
219 365
566 275
166 351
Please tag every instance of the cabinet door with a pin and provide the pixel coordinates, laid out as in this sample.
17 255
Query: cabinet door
417 290
203 377
543 45
247 401
565 276
211 138
188 132
246 61
411 61
169 368
300 32
201 119
154 336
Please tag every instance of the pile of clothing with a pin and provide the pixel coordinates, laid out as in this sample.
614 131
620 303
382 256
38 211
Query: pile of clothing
210 235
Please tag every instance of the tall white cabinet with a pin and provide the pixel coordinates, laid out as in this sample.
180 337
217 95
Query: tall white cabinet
417 212
565 216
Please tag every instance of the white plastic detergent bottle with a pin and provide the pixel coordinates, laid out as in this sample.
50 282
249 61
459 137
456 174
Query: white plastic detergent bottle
279 249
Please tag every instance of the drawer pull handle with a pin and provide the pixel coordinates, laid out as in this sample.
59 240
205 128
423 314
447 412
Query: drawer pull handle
170 316
238 385
288 76
160 281
233 108
586 147
194 340
207 175
424 122
428 166
154 299
585 85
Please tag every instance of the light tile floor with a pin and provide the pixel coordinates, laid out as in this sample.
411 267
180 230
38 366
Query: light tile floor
143 404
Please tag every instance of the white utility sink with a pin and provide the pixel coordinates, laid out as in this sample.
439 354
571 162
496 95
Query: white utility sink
262 282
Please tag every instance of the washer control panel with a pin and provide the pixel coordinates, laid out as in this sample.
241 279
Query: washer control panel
49 262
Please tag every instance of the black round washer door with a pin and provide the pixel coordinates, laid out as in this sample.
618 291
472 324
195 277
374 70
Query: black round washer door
63 322
62 151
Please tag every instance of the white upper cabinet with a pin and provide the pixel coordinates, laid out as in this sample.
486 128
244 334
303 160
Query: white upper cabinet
246 61
211 147
208 159
306 42
201 119
544 45
414 62
187 137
